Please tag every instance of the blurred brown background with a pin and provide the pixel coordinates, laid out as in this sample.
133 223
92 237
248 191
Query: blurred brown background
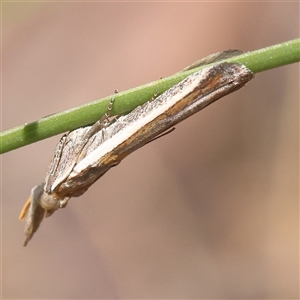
209 211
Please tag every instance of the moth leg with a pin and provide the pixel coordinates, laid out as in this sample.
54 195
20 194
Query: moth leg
104 122
63 203
154 96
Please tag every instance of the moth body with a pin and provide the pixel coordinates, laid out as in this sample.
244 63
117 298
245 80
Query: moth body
84 155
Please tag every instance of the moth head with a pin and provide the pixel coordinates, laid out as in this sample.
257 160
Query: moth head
38 206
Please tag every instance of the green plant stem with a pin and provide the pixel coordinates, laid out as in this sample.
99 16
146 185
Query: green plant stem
257 61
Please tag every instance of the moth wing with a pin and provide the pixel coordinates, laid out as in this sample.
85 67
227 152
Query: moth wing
215 57
65 158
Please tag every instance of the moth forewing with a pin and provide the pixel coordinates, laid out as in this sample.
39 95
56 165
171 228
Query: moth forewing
136 129
66 155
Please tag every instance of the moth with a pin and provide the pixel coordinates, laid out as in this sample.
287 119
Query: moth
83 155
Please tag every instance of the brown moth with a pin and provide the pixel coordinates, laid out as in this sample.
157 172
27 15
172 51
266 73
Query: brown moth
83 155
